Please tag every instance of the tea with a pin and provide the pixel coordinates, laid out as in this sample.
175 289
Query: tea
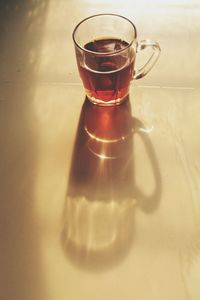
106 71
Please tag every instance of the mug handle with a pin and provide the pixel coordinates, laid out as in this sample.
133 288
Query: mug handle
152 60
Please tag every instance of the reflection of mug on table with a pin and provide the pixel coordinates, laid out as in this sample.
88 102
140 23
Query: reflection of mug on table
102 196
109 131
106 47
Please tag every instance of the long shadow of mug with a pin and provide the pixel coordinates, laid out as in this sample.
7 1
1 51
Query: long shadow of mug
102 196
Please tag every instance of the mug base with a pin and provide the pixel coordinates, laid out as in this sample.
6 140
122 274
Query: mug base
113 102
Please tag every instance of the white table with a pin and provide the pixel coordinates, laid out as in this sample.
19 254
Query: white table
60 236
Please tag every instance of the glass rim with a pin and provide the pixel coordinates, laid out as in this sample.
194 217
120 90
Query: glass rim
104 53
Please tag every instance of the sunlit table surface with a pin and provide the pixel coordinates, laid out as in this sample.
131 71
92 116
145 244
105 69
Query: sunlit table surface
88 217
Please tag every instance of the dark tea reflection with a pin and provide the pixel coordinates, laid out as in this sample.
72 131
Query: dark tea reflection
100 203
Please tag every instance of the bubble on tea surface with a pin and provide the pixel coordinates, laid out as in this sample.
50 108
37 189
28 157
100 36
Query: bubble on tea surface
118 45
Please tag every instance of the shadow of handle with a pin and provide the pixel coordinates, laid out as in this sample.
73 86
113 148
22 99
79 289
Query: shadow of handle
148 203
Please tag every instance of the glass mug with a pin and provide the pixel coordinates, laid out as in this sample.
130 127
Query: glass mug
106 47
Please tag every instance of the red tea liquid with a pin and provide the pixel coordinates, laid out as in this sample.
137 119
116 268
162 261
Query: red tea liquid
106 78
